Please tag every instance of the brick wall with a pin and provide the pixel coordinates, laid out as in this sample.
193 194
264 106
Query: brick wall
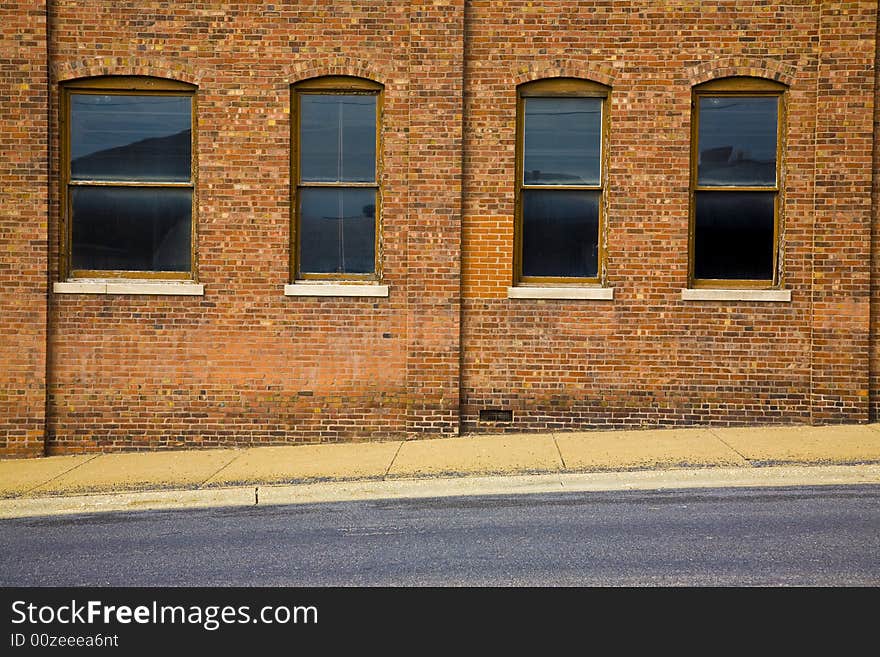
246 365
647 357
842 235
23 222
875 243
243 364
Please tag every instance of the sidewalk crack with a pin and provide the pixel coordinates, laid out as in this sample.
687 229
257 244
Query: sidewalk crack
558 451
222 468
729 446
393 459
60 474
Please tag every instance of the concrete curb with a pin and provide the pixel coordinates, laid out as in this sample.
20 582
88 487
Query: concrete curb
311 493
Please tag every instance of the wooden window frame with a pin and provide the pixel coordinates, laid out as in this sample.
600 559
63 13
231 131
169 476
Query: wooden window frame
333 85
560 88
741 87
123 86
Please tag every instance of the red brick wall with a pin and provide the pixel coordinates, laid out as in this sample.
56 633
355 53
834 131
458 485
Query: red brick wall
875 243
842 236
243 364
434 222
23 221
246 365
647 357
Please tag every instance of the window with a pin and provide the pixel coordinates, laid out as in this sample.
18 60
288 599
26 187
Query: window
336 196
128 178
737 127
559 181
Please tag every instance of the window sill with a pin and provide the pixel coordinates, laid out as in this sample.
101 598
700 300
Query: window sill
588 293
128 286
717 294
335 290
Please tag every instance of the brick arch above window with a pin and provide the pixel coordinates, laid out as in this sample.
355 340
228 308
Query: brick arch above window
728 67
170 69
600 73
335 67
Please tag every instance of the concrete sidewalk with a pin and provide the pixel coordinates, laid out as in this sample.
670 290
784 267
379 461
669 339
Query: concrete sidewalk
74 483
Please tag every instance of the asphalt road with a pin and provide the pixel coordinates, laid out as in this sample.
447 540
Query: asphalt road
822 536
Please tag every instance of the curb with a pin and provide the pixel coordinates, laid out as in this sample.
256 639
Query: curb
263 495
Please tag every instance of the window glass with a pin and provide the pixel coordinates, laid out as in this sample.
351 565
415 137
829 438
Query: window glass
337 138
337 230
562 141
734 235
737 141
560 233
130 137
128 185
131 228
336 190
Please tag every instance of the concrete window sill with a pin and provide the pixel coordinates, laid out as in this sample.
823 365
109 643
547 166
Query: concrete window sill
587 293
335 290
100 286
715 294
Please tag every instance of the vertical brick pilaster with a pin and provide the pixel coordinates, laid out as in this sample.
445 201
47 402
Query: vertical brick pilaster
875 241
842 230
434 222
23 225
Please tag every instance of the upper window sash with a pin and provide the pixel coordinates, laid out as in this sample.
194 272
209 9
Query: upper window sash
737 141
562 142
130 137
337 138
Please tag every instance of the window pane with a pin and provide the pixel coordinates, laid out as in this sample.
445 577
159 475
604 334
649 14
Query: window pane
737 141
734 235
337 231
128 137
126 228
560 233
562 141
337 138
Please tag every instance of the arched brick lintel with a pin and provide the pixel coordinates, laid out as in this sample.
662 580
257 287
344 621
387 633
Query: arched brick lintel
738 66
600 73
337 66
170 69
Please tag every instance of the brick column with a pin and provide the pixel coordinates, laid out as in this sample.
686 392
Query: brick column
842 217
434 223
23 227
875 242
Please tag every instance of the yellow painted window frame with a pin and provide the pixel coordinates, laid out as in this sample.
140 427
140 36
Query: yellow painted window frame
560 88
123 85
336 84
744 87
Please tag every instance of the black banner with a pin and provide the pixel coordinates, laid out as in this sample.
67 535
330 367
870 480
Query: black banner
126 620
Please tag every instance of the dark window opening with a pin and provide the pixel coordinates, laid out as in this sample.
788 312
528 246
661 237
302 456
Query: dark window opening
559 184
129 177
735 182
337 194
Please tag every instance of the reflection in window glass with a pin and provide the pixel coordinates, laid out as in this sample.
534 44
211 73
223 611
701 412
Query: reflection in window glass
131 228
733 236
560 233
562 141
337 138
737 141
337 230
130 137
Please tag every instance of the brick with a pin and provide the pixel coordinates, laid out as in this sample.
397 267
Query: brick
246 365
